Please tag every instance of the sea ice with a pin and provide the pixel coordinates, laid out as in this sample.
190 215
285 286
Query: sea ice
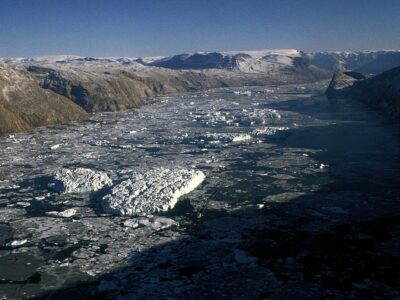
228 137
68 213
54 147
158 223
242 258
268 130
151 191
18 243
80 180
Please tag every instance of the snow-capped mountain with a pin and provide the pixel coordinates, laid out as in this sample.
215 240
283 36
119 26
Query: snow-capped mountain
263 61
370 62
272 62
279 60
70 60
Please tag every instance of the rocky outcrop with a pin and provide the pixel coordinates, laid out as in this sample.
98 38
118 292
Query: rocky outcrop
381 92
342 82
24 105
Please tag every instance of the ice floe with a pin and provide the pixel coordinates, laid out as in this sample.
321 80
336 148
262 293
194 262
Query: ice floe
158 223
268 130
68 213
79 180
18 243
151 191
228 137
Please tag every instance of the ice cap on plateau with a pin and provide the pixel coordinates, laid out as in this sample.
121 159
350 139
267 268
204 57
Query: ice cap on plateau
151 191
79 180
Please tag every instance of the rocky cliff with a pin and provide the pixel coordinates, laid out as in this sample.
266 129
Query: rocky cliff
342 83
24 104
381 92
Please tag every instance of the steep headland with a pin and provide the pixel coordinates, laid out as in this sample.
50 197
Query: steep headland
381 92
24 104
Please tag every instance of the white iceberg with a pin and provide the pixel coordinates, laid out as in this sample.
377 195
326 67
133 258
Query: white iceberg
80 180
151 191
228 137
268 130
18 243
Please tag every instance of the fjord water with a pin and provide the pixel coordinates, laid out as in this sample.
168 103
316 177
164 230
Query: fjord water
260 147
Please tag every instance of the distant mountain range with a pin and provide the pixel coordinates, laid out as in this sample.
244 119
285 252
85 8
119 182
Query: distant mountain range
367 62
54 89
274 61
263 61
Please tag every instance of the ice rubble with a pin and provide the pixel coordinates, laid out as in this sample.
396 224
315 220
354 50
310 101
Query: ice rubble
158 223
244 117
151 191
268 130
79 180
68 213
229 137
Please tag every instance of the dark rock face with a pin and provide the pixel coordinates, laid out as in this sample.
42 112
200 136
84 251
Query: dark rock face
24 105
342 83
197 61
381 92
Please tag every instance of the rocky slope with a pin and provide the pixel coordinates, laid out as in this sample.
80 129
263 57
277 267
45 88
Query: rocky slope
24 104
381 92
342 82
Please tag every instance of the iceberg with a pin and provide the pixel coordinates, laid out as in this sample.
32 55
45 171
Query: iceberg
151 191
79 180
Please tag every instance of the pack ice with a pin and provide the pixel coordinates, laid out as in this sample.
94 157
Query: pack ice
151 191
79 180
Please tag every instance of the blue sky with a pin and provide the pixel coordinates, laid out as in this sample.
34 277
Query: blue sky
164 27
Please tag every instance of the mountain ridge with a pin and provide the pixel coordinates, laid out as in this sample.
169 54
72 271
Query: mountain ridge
94 84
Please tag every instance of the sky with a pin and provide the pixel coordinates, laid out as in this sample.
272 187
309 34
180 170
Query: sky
139 28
